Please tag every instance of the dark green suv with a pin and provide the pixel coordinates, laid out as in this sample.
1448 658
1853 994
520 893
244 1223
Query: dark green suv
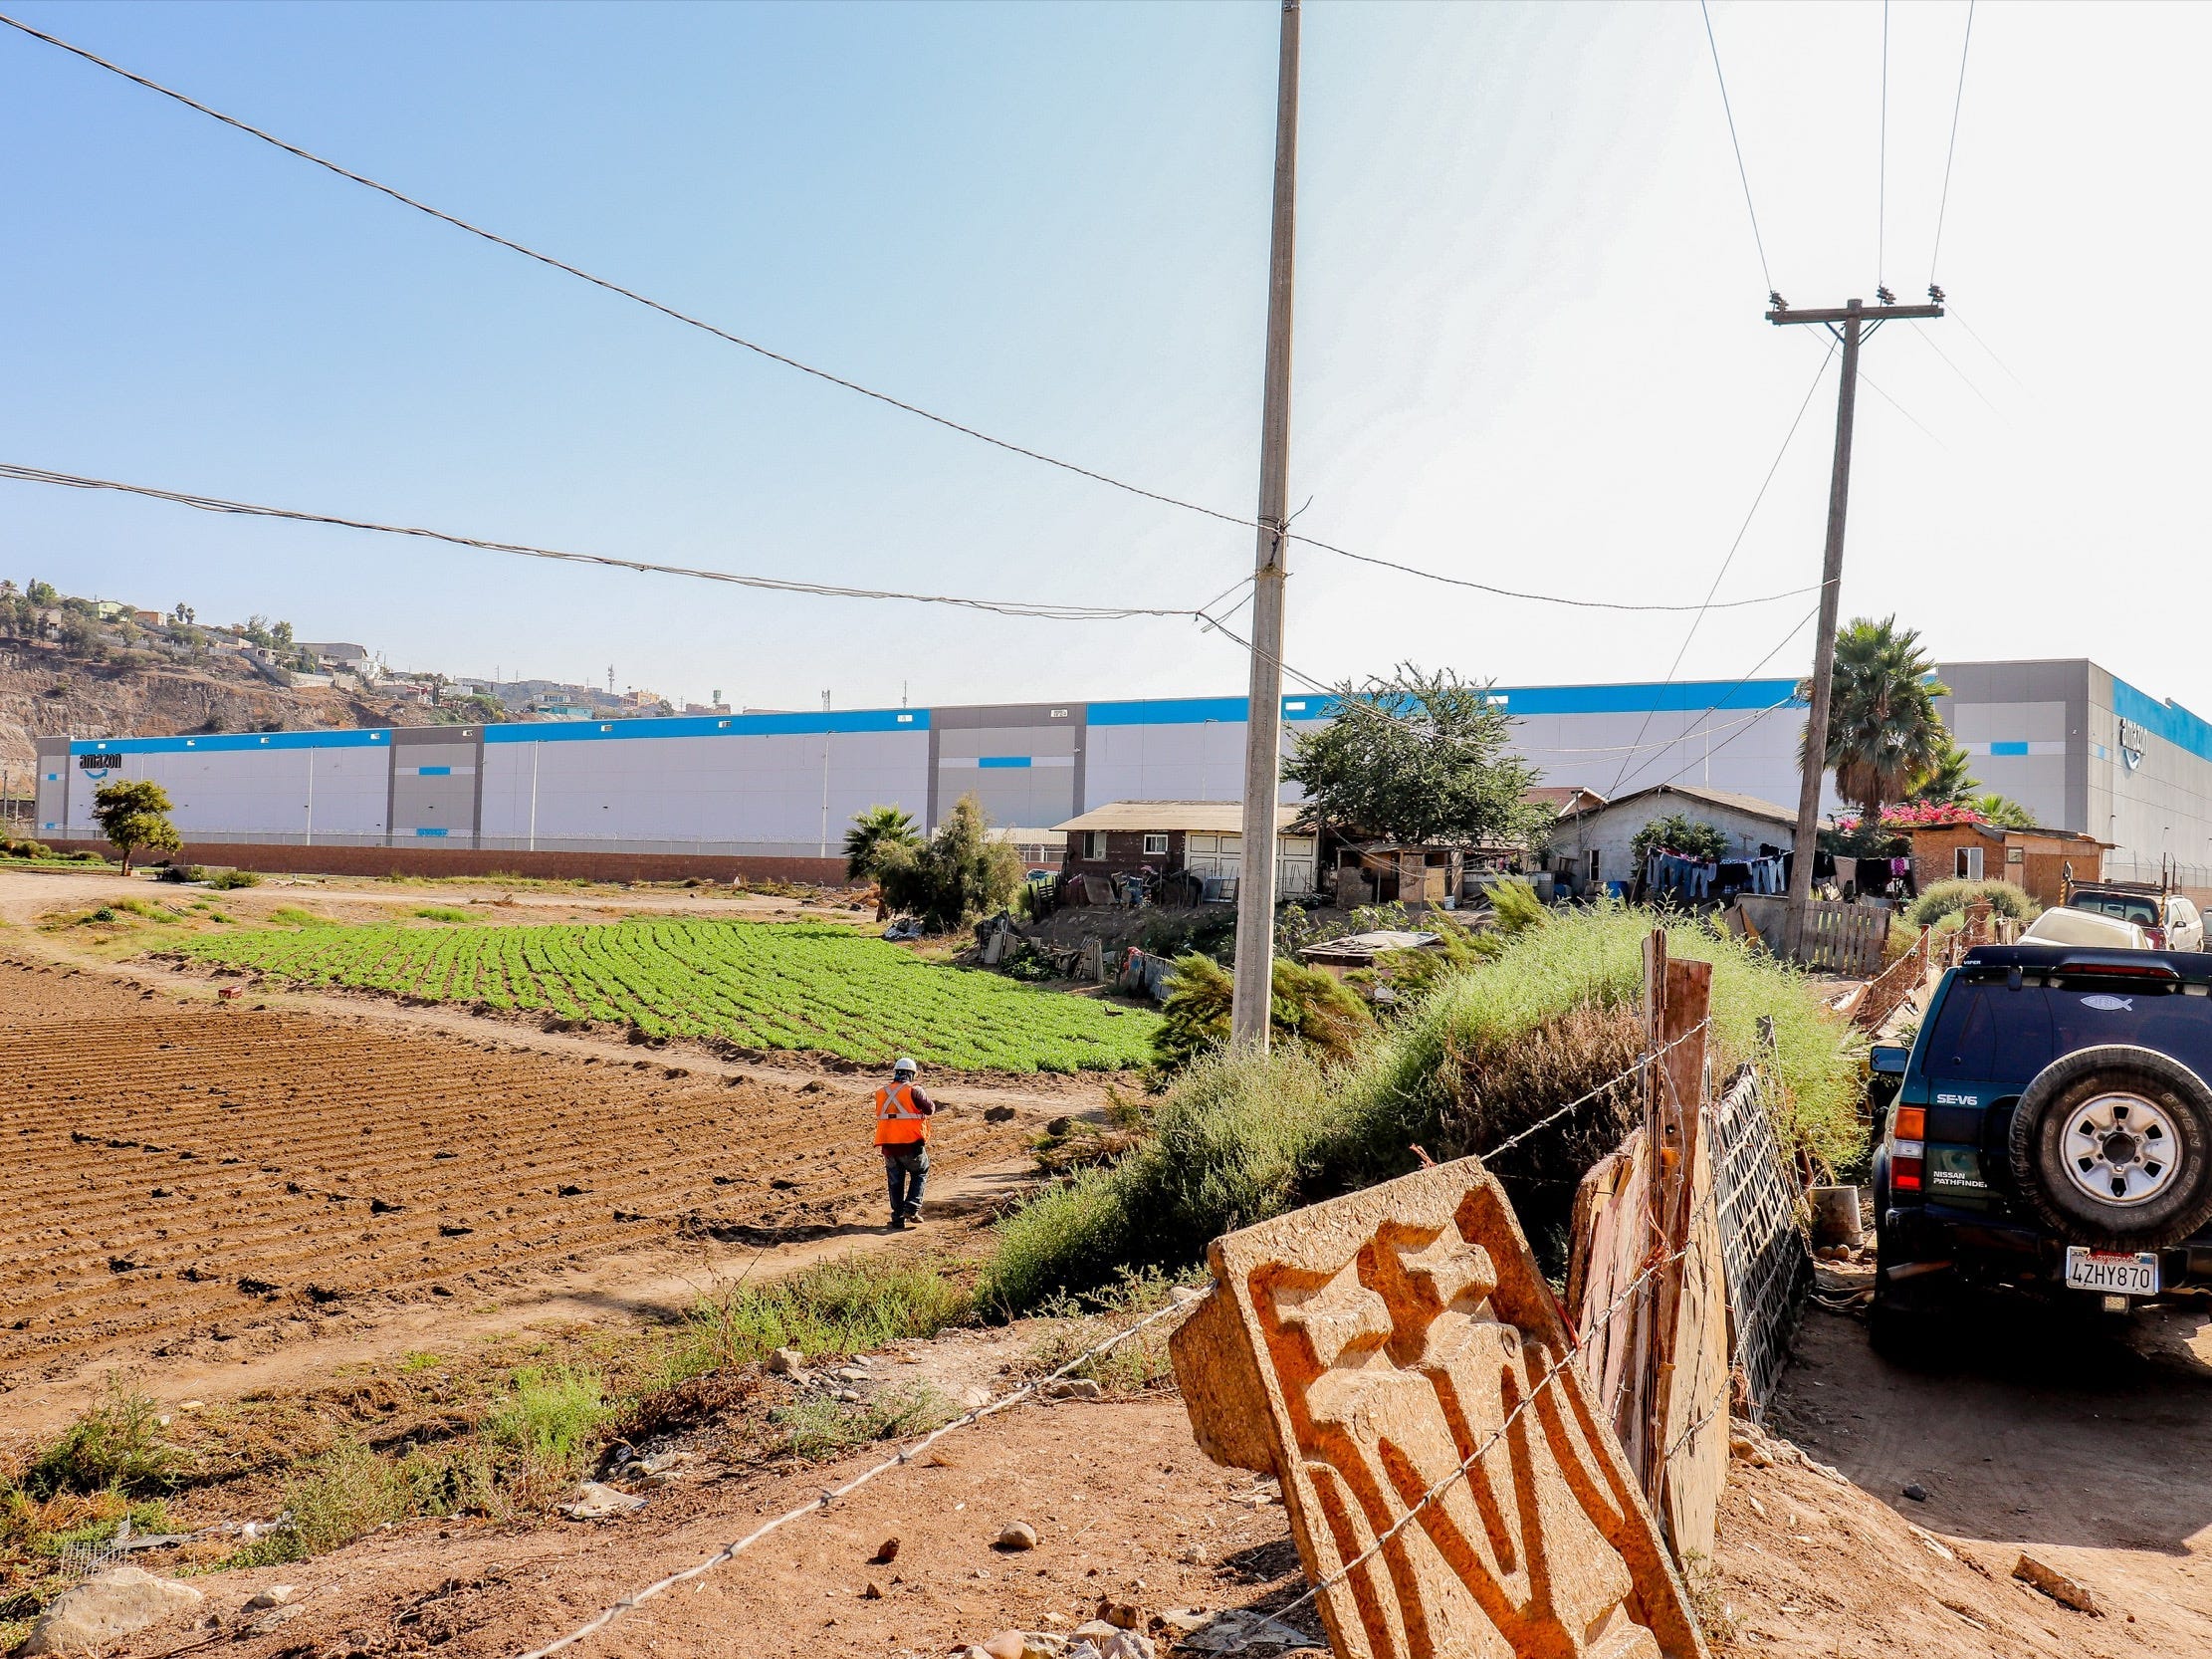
2052 1127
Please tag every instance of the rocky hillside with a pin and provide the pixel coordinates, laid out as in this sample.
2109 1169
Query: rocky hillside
47 691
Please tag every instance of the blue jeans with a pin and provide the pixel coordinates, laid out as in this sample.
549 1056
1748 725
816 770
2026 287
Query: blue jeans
906 1171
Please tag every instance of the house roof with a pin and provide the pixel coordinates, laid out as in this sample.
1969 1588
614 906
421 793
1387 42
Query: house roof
1728 800
1206 816
1564 799
1998 833
1364 947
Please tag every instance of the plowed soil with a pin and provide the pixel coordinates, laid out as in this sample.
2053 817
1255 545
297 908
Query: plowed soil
187 1182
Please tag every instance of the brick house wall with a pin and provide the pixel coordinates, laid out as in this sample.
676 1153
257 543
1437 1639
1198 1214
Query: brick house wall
2031 860
1124 851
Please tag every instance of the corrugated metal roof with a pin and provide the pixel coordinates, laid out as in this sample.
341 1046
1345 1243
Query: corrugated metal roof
1207 817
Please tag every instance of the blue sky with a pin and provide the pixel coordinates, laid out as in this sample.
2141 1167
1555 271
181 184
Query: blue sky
1529 342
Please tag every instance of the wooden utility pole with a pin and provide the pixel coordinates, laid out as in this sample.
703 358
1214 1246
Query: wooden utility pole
1255 870
1851 323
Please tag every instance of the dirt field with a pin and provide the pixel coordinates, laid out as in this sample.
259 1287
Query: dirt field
193 1184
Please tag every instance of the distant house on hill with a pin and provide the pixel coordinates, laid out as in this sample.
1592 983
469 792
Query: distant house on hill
337 655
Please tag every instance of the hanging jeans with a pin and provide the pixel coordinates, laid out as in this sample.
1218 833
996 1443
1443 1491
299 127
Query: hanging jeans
906 1171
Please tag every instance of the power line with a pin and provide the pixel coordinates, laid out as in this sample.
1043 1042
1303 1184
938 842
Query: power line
1736 143
1881 166
1546 599
779 584
1750 674
785 360
1742 530
1951 152
1952 312
612 287
1969 379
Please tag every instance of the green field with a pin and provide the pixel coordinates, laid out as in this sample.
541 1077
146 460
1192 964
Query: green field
761 985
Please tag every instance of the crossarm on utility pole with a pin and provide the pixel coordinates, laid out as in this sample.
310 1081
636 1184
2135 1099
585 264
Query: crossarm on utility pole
1850 324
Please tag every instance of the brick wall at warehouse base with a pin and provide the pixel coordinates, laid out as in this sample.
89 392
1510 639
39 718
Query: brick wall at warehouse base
464 861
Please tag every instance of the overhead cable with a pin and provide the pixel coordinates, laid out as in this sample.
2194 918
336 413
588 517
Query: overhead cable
1547 599
790 362
1944 202
778 584
612 287
1721 701
1736 143
1742 530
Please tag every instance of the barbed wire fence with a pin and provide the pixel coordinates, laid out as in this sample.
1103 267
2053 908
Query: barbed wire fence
1744 1208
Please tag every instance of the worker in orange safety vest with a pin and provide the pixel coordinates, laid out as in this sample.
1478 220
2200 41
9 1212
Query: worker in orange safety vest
903 1115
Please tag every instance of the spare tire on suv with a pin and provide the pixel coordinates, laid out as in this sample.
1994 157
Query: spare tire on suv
2112 1147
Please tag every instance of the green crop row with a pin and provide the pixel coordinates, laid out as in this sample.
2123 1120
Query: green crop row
759 985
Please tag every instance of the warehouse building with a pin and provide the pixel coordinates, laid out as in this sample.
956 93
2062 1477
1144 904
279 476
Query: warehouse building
773 793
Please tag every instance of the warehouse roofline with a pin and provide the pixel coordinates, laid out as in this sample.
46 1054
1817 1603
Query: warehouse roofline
1683 696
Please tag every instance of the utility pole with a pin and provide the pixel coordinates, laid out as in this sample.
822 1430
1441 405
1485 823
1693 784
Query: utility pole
1255 870
1851 324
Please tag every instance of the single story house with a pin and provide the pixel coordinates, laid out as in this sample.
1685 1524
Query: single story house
1359 950
1206 838
2037 859
338 654
1386 872
1593 846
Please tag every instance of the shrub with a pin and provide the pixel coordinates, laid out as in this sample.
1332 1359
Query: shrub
1680 832
181 872
834 1307
1493 1047
115 1446
1309 1006
346 1492
1939 898
953 878
544 1432
223 881
819 1427
444 913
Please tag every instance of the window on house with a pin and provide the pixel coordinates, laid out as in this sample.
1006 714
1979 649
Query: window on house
1967 864
1155 847
1593 866
1094 845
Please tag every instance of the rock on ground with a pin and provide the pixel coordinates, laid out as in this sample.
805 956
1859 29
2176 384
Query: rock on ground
106 1609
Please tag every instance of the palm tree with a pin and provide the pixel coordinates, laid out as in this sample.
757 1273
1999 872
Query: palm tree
874 833
2004 811
1883 728
1950 781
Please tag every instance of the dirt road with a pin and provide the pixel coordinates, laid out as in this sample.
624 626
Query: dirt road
2090 1452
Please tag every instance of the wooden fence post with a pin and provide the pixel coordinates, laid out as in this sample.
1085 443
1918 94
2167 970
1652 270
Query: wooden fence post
1677 998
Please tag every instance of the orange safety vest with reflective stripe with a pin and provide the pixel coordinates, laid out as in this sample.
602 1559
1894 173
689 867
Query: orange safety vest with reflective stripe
897 1122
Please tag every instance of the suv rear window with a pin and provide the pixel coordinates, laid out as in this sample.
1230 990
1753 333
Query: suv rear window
2126 907
1989 1033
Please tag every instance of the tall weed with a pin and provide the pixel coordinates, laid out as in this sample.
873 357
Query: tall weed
1489 1050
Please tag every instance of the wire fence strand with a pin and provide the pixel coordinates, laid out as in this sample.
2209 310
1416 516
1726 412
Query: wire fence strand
815 1506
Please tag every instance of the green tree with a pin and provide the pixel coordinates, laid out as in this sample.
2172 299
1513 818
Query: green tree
957 874
1419 758
1883 728
1680 832
80 638
872 833
134 812
1950 781
42 592
2003 812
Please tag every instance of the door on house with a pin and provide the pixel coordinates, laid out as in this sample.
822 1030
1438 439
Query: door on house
1294 864
1211 854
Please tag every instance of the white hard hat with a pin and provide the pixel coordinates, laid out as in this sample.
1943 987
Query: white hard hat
903 1064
